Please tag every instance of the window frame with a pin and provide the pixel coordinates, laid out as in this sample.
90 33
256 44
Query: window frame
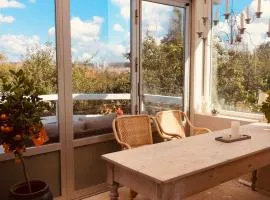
186 4
66 144
208 84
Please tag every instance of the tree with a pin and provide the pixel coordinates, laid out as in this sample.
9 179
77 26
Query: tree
40 65
163 64
262 63
241 74
4 70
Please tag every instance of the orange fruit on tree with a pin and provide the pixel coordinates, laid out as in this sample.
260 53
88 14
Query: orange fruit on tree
9 129
6 129
3 117
17 137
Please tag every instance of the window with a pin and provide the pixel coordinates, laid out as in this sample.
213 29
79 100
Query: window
240 54
100 38
27 41
163 57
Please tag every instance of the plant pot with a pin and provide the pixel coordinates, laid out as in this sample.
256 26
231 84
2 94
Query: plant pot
40 191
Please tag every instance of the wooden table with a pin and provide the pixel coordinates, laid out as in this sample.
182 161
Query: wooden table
177 169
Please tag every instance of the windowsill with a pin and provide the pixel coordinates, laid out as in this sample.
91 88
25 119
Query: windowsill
239 118
48 148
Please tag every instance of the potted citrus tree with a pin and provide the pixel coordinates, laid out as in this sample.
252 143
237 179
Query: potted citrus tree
266 107
20 125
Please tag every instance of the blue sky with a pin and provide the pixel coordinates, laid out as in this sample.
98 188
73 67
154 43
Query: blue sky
86 10
237 5
255 32
99 27
25 21
33 19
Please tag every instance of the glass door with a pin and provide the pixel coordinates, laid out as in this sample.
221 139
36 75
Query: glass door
163 57
101 86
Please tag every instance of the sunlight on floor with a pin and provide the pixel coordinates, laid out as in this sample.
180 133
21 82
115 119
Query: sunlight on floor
231 190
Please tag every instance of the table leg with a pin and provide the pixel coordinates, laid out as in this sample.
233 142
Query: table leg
114 191
254 180
132 194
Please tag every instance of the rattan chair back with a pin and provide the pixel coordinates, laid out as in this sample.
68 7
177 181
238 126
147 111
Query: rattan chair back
133 130
174 123
170 122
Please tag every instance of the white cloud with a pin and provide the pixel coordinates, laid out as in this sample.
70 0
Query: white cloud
265 8
6 19
255 33
51 31
99 52
118 49
11 4
73 50
87 45
32 1
124 7
85 35
118 28
16 45
83 31
155 19
86 31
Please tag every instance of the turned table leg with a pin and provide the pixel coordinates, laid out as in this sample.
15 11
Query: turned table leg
132 194
114 191
254 180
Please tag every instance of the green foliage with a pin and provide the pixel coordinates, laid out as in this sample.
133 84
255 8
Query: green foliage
163 64
240 75
21 110
87 79
266 107
39 65
4 73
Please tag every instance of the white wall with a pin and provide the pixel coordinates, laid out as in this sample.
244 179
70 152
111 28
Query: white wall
217 122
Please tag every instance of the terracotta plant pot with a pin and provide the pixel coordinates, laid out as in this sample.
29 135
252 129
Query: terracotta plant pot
40 191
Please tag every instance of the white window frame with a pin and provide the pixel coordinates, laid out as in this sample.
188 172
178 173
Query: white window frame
66 142
245 115
208 85
177 3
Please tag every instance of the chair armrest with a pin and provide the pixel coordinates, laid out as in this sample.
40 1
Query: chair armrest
123 144
163 136
174 135
199 130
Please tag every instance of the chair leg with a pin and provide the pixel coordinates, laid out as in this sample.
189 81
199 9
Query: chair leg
114 191
254 180
132 194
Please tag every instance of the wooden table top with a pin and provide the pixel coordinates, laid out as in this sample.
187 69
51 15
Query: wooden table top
167 161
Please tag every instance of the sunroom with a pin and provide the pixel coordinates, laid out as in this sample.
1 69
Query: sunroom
94 62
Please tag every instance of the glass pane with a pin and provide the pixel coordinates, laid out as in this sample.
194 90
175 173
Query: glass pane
100 33
27 42
240 55
162 57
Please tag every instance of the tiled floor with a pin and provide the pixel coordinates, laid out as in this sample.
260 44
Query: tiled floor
231 190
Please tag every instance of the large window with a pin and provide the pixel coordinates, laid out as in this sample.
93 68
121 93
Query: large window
240 54
100 39
163 57
27 41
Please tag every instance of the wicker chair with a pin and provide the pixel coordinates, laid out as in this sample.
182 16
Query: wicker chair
173 123
132 131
